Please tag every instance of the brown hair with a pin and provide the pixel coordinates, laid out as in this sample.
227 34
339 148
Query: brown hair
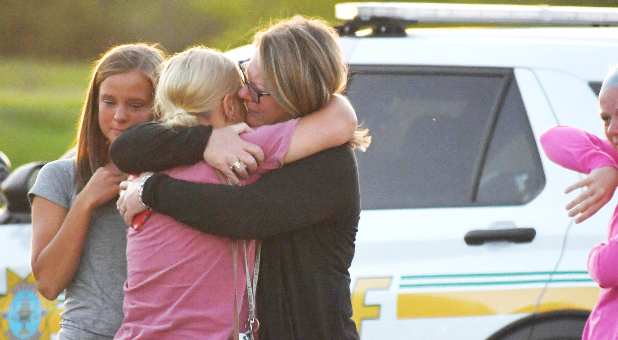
92 146
302 64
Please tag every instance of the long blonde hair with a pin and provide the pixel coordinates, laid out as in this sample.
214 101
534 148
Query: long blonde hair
194 82
302 65
92 146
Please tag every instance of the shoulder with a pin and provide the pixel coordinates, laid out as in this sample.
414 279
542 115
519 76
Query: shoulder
58 168
55 182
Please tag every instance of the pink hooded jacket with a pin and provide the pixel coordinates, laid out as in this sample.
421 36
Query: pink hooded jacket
583 152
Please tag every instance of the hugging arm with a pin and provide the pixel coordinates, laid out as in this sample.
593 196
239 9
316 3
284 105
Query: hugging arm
332 125
312 190
155 147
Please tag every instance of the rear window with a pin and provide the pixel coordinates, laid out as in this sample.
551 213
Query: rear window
444 137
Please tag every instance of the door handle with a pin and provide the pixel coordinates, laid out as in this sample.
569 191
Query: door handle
515 235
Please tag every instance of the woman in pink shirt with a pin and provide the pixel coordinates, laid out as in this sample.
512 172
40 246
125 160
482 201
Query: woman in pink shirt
586 153
181 283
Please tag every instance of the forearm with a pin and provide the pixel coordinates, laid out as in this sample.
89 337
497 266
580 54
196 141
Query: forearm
154 147
331 126
578 150
602 264
302 194
55 266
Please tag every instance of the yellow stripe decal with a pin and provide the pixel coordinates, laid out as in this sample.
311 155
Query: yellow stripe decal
491 302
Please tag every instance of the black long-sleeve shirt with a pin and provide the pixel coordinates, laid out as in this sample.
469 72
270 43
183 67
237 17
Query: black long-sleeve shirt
306 213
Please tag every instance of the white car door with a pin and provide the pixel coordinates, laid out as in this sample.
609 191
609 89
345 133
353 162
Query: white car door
455 153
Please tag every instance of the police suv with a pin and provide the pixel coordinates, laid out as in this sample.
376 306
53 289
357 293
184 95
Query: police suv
463 233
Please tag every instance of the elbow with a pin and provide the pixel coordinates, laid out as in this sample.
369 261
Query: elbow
119 158
602 268
351 120
605 279
345 130
347 122
350 124
548 144
553 140
44 285
47 289
50 293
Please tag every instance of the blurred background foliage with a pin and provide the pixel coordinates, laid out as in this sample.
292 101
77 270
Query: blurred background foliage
47 47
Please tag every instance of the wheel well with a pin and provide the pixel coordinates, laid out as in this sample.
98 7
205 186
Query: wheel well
537 318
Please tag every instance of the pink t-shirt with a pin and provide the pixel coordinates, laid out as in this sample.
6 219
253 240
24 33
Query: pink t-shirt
180 282
583 152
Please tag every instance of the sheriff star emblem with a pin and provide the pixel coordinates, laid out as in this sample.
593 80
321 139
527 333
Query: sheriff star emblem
26 315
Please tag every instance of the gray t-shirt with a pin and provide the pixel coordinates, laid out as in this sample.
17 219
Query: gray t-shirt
93 305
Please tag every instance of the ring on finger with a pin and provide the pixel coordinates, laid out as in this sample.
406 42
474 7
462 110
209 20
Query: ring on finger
237 165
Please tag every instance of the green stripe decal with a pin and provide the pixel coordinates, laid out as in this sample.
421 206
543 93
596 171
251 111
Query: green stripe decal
493 283
449 276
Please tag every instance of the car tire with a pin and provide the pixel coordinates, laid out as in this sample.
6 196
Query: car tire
550 326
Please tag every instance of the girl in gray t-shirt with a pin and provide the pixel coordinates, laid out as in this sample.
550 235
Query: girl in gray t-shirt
79 239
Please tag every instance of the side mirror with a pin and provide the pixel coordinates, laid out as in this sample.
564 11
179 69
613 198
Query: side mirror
15 189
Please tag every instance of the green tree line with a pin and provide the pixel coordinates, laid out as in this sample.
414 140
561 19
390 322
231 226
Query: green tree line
78 30
47 46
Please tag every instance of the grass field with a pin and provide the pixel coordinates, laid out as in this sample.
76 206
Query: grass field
39 107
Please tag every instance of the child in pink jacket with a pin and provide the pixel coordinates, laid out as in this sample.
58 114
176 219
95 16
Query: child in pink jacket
586 153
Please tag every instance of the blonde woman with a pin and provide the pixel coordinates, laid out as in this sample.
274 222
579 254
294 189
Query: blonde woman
78 237
185 286
306 213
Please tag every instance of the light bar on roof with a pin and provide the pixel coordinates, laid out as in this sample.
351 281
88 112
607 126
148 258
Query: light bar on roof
478 14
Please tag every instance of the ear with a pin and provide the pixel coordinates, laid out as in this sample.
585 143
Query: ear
231 109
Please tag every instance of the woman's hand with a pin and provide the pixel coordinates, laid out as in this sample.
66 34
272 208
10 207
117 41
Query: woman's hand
232 156
129 203
599 187
103 185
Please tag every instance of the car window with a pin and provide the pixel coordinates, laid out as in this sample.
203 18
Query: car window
430 128
512 172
